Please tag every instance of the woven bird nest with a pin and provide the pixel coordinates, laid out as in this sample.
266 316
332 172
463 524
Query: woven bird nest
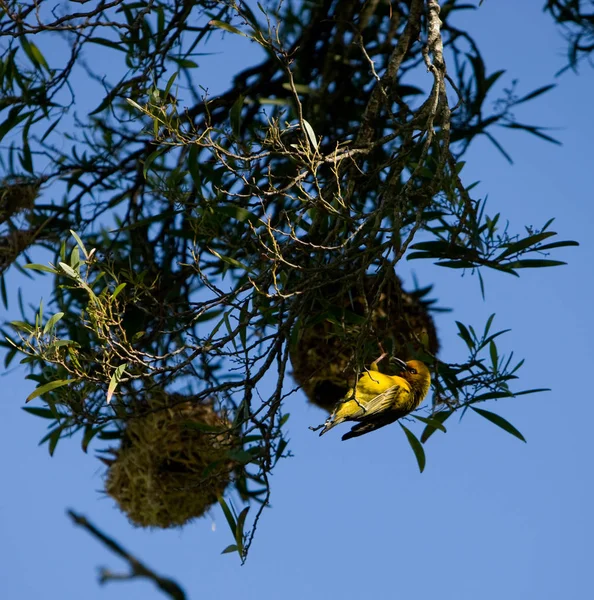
12 244
328 348
17 195
173 462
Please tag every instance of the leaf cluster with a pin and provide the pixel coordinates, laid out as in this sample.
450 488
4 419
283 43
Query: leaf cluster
206 226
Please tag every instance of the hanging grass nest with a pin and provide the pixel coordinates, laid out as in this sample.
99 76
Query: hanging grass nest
173 462
346 329
12 244
17 194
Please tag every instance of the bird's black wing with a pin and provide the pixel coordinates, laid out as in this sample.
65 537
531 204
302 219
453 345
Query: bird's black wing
368 426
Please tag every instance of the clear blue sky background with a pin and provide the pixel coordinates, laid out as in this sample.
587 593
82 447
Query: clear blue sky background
489 518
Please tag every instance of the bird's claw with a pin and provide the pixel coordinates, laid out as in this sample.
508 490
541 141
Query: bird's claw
381 357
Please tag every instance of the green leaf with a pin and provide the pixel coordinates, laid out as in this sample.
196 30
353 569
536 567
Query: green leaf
239 530
489 81
535 93
493 354
243 325
33 53
26 158
533 391
23 326
437 247
184 63
48 387
39 315
300 88
564 244
454 264
52 322
107 43
280 449
235 115
80 243
230 329
12 120
90 433
438 417
115 379
3 292
488 325
170 83
531 263
194 166
152 157
60 343
433 422
537 131
118 289
416 447
229 549
226 27
37 267
228 515
75 259
134 105
492 396
311 135
532 240
275 101
465 335
53 437
9 356
230 261
44 413
492 337
499 421
69 271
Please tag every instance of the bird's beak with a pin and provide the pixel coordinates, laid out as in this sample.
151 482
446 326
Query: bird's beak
399 362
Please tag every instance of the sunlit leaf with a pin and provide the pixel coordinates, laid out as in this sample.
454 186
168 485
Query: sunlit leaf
51 323
115 379
49 387
226 27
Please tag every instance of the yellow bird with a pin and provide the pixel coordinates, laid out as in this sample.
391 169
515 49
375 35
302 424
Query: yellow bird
378 399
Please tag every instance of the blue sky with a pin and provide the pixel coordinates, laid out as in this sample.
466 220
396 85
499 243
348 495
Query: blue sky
490 517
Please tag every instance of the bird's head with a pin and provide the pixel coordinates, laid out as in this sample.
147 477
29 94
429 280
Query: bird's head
416 373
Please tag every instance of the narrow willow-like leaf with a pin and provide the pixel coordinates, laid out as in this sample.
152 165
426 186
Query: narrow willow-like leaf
48 387
52 322
115 379
416 447
226 27
499 421
431 428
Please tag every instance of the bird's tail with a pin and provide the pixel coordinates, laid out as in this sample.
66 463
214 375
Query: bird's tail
334 419
330 423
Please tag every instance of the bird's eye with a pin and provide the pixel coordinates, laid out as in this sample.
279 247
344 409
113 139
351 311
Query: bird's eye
413 371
